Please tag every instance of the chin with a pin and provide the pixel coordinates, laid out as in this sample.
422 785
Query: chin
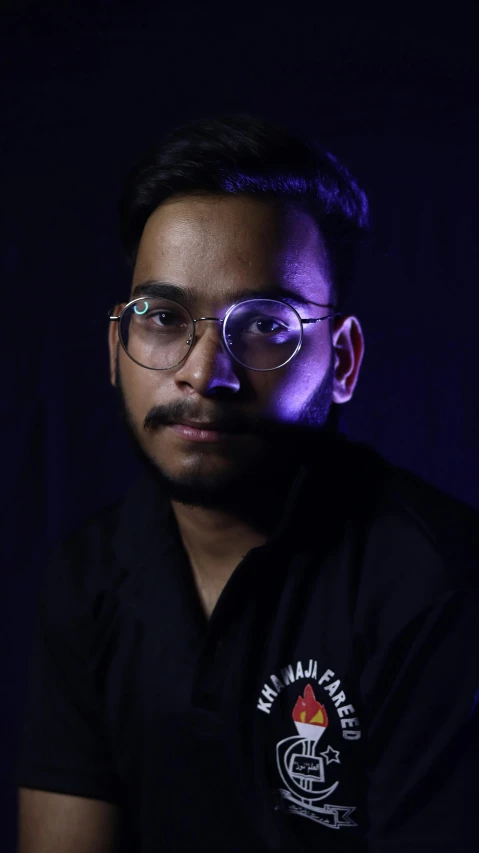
215 480
198 486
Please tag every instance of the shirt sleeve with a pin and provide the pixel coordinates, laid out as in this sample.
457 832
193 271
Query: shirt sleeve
421 696
64 745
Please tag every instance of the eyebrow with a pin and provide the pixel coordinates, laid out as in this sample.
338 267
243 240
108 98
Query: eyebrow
182 294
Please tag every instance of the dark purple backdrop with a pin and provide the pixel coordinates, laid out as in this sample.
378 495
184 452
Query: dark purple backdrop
81 99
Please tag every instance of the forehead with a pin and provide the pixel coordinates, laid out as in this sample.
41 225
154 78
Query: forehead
221 243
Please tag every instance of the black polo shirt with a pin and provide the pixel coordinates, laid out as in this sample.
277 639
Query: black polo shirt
330 702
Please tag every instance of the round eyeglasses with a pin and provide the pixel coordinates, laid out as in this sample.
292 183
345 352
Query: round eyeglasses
260 334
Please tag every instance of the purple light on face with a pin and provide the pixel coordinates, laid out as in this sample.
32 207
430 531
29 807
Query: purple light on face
337 205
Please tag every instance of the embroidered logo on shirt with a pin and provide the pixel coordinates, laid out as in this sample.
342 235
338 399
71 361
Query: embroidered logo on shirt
306 762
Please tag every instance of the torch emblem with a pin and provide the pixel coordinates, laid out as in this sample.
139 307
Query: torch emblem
302 765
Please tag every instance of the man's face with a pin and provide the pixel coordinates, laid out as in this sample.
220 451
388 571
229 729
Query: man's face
219 247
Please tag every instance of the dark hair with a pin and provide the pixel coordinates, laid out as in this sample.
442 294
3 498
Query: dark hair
243 154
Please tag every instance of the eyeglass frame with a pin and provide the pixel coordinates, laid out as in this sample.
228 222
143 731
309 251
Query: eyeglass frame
223 322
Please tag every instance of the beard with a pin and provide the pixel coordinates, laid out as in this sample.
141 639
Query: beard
253 489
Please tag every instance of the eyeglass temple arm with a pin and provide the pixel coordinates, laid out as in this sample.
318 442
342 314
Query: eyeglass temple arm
318 319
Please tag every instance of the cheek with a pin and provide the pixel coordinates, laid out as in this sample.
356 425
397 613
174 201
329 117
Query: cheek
142 389
291 393
297 381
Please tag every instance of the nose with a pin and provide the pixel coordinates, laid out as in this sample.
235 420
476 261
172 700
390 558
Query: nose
208 366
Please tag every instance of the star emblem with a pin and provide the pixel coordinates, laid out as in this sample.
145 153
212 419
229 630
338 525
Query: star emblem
331 755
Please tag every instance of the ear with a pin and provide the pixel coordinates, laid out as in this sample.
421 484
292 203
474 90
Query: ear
348 352
114 341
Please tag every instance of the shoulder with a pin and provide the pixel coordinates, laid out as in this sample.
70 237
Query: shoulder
91 538
419 547
92 562
82 565
432 521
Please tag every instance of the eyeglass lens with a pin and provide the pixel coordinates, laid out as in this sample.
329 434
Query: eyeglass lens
261 334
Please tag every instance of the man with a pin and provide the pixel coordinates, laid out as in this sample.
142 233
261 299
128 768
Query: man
270 643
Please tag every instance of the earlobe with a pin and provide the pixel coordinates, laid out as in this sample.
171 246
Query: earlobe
113 373
348 354
113 343
341 392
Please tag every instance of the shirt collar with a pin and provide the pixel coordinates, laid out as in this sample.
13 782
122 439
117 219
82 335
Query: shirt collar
146 520
147 532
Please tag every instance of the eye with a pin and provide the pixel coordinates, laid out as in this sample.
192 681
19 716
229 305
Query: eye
165 318
264 325
159 318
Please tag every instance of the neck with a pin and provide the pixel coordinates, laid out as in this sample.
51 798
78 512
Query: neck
215 537
216 540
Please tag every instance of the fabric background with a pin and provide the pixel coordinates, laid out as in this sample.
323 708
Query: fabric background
83 95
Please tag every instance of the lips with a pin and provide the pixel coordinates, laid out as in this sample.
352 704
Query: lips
206 425
197 434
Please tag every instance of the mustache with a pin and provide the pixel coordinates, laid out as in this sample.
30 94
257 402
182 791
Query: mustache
229 421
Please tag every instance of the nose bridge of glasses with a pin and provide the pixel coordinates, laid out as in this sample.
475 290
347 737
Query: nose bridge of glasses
219 320
214 345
